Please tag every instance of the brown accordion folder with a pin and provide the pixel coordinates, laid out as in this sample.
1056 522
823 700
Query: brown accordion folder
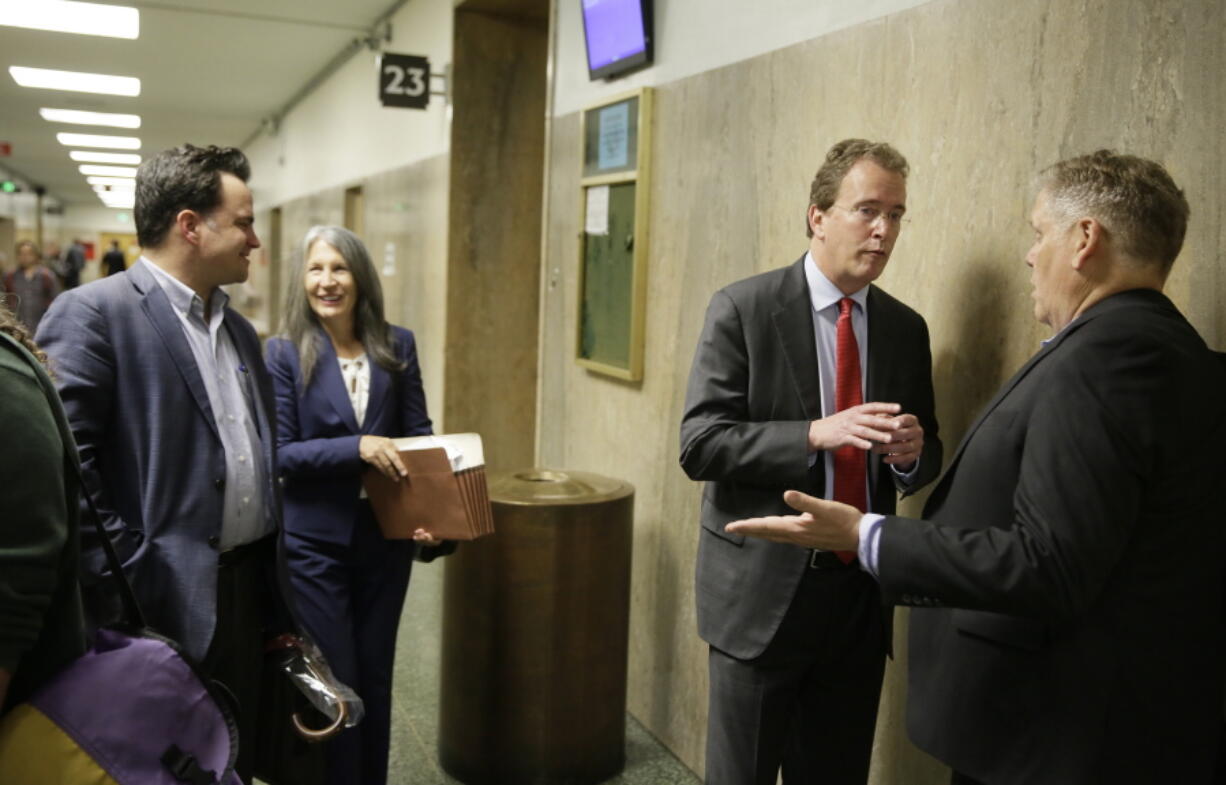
445 493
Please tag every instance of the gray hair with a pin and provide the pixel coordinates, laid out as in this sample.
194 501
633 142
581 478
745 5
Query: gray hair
300 324
1135 199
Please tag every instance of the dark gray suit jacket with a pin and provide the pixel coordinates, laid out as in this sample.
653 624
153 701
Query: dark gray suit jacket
150 452
753 390
1078 532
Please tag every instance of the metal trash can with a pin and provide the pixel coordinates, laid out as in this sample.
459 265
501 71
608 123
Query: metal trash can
535 634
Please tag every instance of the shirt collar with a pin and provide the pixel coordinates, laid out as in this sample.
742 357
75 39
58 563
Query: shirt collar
182 297
823 293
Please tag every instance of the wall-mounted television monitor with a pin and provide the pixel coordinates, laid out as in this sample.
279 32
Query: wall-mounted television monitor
618 34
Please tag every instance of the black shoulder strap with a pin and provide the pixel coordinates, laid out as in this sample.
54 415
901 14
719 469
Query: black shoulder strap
132 611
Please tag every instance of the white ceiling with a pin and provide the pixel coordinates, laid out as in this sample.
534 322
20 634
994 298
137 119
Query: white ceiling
210 71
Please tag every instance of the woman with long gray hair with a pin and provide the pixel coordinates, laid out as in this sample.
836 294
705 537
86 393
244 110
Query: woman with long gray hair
346 383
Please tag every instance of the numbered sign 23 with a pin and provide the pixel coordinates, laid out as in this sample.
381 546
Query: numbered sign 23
404 80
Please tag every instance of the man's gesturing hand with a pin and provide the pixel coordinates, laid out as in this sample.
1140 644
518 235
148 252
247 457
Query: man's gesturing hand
831 526
905 444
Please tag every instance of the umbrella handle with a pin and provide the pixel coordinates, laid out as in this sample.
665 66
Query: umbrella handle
316 735
289 641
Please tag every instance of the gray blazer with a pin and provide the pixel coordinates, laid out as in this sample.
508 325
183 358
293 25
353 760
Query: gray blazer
150 452
753 390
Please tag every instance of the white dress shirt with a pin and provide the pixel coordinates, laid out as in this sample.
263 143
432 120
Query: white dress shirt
356 373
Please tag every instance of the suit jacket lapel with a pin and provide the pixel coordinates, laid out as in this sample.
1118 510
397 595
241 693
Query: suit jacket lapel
328 376
1022 372
794 324
881 347
157 307
254 394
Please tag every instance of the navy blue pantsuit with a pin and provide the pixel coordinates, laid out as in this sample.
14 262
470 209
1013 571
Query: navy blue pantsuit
349 582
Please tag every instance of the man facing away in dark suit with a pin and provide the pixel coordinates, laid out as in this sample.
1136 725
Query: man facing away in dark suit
806 376
113 261
171 407
1069 567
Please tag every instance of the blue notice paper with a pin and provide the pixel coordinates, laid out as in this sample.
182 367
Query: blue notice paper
614 144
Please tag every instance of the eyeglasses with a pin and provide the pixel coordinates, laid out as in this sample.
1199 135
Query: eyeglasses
868 215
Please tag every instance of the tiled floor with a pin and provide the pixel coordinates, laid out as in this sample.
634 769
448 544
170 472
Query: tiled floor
414 759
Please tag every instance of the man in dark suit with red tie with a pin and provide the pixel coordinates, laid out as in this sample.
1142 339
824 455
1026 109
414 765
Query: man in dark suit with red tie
806 376
1068 572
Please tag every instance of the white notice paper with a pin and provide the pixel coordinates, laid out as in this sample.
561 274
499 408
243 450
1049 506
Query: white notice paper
597 210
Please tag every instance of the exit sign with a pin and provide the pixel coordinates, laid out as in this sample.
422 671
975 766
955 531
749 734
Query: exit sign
6 149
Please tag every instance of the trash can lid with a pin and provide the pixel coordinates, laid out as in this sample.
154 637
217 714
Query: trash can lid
549 486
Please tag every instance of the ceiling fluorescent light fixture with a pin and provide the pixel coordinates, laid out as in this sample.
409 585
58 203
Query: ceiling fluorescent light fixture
94 140
76 81
66 16
113 182
90 118
118 201
108 171
92 157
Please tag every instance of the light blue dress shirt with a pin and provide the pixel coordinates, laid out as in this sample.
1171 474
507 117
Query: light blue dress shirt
231 397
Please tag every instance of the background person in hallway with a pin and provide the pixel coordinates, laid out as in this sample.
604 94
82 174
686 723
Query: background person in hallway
346 381
113 261
72 263
763 414
172 410
1070 563
52 256
33 285
41 625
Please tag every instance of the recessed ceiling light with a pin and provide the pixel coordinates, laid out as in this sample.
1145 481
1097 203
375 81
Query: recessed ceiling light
108 171
108 191
65 16
114 182
90 118
76 81
91 157
94 140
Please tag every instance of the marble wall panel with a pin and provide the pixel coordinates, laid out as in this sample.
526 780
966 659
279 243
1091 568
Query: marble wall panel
406 220
322 207
980 95
494 250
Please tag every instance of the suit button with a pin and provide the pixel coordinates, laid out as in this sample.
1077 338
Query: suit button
214 541
219 483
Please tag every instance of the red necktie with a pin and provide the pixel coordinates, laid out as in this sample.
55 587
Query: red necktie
849 462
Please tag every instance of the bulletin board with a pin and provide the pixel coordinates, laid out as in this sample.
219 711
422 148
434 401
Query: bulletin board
614 189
